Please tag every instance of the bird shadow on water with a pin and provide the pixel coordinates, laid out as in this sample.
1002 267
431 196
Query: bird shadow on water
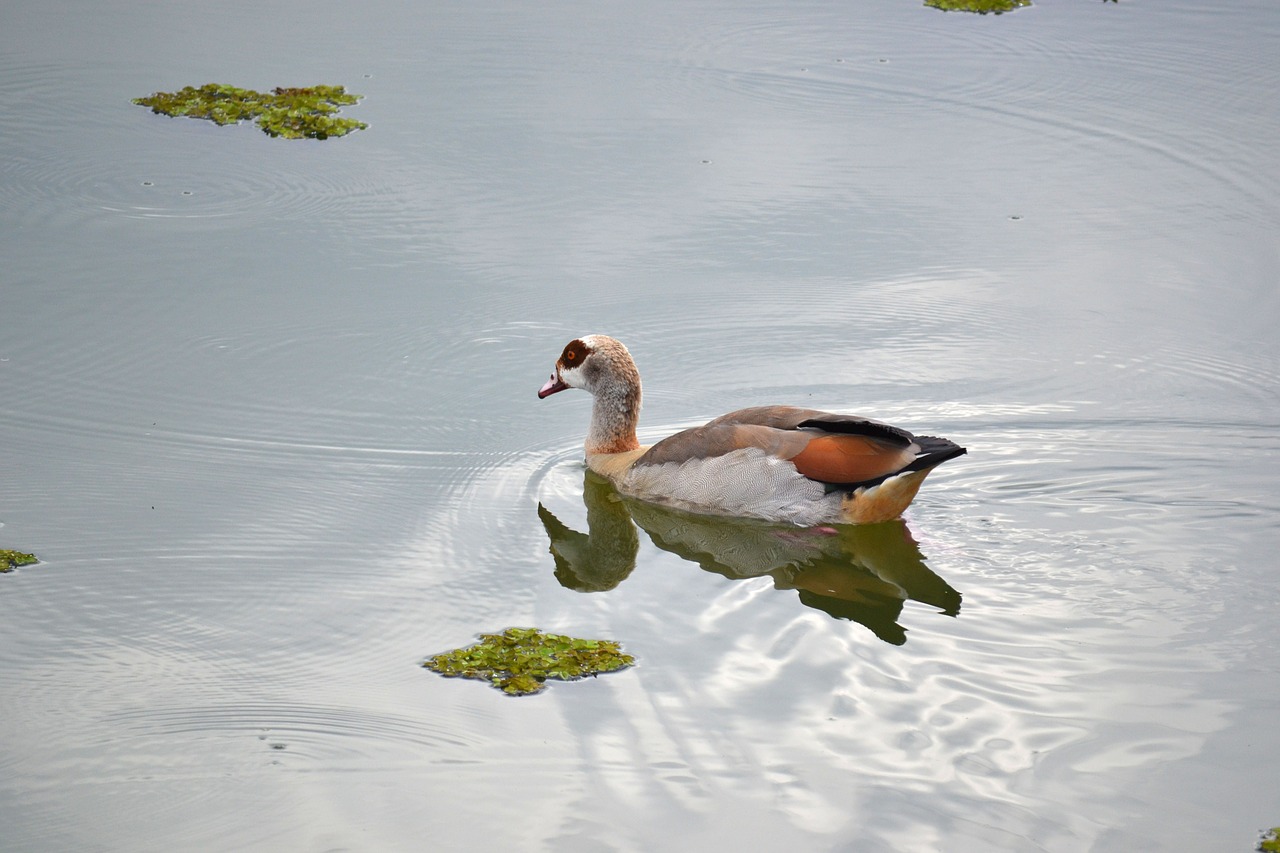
862 573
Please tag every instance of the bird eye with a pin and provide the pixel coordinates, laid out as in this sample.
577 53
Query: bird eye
570 355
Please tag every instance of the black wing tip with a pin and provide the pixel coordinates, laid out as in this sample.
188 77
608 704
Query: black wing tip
934 450
859 426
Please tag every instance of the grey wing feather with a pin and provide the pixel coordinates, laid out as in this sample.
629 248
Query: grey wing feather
719 437
790 418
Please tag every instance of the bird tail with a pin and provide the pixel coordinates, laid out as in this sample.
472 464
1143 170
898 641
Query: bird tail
934 451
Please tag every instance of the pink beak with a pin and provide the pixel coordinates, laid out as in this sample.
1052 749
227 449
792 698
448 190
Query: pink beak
553 385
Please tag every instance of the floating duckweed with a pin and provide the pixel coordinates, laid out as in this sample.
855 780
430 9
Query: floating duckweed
1270 842
10 560
520 660
982 7
294 113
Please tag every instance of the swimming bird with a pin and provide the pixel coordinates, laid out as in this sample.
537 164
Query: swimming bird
777 463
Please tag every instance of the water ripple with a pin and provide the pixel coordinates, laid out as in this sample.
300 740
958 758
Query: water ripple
170 168
339 731
1031 81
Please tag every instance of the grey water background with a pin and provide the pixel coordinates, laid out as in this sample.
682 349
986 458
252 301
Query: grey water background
267 415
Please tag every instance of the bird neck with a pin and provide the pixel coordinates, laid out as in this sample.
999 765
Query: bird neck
614 415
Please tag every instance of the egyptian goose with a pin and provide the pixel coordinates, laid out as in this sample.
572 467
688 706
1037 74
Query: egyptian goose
777 463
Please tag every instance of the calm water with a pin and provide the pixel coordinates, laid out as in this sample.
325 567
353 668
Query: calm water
269 419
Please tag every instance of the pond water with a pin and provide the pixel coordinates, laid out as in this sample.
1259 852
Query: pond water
269 420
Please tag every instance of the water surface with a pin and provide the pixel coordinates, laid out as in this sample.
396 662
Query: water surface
269 420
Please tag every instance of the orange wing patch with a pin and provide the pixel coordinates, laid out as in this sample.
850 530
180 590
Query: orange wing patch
850 459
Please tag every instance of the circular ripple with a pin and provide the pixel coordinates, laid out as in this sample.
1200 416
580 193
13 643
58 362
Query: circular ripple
297 727
158 180
1088 83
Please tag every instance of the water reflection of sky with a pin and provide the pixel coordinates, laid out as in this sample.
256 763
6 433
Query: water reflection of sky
270 421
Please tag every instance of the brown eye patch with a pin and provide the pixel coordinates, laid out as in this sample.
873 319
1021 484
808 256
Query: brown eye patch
574 354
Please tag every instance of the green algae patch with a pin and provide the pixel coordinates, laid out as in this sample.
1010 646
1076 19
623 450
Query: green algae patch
1270 842
293 113
982 7
519 661
10 560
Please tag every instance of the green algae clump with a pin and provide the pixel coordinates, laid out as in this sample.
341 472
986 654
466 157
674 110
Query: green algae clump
982 7
1270 842
293 113
10 560
520 660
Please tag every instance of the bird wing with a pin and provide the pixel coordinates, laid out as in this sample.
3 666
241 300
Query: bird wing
832 449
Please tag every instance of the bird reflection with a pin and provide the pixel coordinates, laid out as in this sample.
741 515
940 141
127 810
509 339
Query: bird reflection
862 573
